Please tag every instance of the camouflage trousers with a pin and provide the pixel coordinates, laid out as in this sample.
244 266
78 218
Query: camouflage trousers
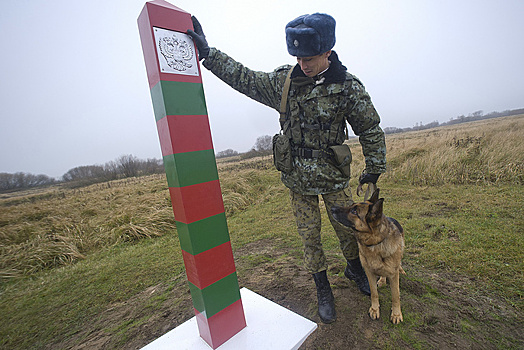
307 214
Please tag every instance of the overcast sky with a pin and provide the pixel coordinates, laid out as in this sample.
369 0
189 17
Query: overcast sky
74 91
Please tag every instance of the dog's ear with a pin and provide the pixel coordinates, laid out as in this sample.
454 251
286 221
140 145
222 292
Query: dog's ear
374 196
375 211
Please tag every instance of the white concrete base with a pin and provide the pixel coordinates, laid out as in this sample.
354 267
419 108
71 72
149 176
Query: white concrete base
269 326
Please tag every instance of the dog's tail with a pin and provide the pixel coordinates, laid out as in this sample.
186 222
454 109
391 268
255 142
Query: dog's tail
401 270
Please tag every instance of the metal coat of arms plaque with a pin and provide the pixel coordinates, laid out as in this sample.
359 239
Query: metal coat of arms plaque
176 52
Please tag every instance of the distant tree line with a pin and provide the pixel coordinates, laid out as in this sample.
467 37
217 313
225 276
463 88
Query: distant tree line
18 181
478 115
123 167
264 144
263 147
227 153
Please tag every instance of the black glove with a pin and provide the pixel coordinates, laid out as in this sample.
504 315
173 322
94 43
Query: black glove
366 178
199 38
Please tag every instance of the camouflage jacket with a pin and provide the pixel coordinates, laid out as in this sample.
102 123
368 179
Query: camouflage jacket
339 95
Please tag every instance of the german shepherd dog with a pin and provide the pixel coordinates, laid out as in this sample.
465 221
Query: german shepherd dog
381 245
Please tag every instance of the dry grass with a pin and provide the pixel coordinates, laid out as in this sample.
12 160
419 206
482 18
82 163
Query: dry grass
247 182
60 226
486 152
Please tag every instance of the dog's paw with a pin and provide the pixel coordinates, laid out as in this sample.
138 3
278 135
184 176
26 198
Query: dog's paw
381 281
374 313
396 318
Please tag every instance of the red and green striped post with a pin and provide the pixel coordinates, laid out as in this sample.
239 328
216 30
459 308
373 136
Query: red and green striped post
185 138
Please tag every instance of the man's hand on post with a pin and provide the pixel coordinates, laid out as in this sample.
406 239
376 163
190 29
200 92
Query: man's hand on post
199 38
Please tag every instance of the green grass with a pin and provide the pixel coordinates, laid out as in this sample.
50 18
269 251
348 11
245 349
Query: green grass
41 307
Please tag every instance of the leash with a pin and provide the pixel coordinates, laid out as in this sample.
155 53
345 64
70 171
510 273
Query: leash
369 190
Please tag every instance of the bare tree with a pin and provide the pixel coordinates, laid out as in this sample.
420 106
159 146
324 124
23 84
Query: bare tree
264 143
128 165
83 172
151 166
111 170
227 153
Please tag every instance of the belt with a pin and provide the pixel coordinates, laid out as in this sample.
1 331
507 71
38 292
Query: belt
310 153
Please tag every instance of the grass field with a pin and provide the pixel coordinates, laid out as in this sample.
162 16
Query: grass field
71 257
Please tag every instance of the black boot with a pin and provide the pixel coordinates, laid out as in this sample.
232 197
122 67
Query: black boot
326 301
355 272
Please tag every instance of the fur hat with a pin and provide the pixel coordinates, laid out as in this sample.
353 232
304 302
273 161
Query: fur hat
310 35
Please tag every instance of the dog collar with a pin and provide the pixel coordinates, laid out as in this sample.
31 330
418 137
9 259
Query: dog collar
372 245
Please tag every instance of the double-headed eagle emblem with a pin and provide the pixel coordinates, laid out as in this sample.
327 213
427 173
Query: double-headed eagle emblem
177 52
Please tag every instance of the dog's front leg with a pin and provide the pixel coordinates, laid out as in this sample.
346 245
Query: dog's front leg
374 310
396 313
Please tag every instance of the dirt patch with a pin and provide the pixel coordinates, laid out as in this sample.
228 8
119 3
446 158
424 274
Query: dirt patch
440 310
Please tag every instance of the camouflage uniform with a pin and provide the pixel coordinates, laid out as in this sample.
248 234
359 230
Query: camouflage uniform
307 214
317 112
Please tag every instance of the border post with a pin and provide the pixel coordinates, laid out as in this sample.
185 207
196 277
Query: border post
180 110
